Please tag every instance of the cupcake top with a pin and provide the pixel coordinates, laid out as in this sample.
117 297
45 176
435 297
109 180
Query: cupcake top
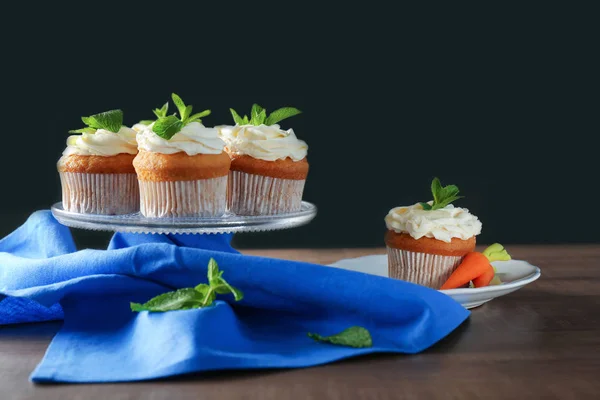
104 135
265 142
170 135
194 138
261 137
436 219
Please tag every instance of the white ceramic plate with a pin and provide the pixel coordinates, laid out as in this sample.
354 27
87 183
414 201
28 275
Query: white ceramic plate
514 275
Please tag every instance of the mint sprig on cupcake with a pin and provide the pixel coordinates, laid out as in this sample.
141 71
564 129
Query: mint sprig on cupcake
159 112
442 195
167 126
109 120
258 115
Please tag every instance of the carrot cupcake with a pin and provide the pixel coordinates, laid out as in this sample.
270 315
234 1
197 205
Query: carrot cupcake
181 166
427 241
96 169
268 164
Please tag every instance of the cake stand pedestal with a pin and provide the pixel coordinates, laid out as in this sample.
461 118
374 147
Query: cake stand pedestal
228 223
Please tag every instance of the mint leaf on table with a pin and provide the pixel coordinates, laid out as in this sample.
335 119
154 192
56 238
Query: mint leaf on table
355 336
167 127
258 115
178 300
207 295
442 195
220 285
203 295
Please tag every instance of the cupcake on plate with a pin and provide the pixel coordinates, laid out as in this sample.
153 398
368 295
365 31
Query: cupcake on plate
427 241
181 166
268 164
96 169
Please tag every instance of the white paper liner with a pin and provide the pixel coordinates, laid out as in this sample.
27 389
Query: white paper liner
250 194
107 194
200 198
425 269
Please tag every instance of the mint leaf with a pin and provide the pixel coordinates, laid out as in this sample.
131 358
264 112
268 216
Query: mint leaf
220 285
245 121
260 118
179 103
257 115
436 189
442 195
198 116
236 117
83 130
355 336
203 295
167 127
425 206
281 114
181 299
213 271
146 121
110 120
207 294
161 112
186 114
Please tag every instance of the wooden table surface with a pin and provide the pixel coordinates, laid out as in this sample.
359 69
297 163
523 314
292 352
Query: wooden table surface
542 341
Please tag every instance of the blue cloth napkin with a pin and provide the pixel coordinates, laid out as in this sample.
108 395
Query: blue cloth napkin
44 277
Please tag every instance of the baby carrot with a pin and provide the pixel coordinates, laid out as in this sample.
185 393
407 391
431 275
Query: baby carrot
473 265
485 278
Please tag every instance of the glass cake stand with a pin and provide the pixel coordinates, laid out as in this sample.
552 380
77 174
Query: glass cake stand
228 223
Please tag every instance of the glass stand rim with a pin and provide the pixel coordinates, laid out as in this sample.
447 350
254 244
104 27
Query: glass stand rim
228 223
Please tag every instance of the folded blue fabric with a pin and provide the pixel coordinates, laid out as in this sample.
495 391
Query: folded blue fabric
43 277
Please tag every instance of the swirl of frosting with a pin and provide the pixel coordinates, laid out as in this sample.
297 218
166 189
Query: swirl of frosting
442 224
194 138
102 143
139 127
269 143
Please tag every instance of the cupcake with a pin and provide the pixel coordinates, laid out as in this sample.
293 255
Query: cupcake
268 164
427 241
96 169
181 166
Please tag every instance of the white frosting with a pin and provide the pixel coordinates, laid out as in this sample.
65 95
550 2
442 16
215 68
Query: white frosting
193 139
264 142
102 143
139 127
442 224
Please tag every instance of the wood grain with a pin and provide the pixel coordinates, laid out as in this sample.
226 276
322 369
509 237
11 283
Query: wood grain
542 341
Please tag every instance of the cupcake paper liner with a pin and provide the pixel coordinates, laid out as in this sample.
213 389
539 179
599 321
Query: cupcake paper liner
425 269
251 194
107 194
199 198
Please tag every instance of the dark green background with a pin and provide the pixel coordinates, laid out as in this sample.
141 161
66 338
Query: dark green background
501 104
